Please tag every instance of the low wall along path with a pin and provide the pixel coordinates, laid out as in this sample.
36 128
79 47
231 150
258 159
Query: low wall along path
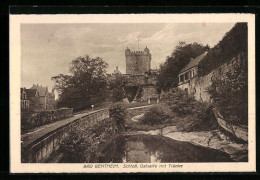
38 145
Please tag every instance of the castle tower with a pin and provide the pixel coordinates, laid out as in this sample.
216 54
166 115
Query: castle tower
138 62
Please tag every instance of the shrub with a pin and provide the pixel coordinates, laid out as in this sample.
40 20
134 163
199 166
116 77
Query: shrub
84 141
190 115
202 120
117 112
33 120
181 103
155 115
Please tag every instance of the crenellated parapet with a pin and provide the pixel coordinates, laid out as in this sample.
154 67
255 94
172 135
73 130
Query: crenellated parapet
146 51
138 62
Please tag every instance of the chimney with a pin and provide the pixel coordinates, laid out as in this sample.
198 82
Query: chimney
117 68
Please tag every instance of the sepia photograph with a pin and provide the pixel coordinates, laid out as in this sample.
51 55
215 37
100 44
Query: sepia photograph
119 94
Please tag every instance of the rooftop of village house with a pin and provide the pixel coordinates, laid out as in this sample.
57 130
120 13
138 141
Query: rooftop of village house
193 62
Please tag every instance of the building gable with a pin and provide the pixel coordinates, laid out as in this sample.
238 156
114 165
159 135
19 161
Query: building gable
193 62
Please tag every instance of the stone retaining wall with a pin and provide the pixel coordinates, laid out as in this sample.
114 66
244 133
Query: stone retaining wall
40 150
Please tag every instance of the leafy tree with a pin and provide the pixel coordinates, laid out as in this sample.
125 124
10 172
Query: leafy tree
117 88
168 71
85 85
233 43
155 115
117 112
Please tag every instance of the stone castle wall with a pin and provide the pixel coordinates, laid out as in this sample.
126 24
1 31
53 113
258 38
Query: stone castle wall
137 62
198 86
149 92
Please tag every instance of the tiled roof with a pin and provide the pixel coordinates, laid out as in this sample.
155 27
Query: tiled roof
193 62
30 92
41 90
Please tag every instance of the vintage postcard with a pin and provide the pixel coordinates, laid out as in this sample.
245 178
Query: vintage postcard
115 93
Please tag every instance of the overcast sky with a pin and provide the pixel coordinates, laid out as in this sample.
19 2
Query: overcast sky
48 49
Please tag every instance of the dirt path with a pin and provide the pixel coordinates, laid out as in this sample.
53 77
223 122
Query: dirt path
139 107
38 132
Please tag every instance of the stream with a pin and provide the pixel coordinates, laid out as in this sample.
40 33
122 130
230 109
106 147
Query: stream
155 149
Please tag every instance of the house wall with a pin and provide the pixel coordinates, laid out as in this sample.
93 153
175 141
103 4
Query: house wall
198 86
38 103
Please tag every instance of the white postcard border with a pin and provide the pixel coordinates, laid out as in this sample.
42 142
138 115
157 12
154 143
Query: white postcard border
15 78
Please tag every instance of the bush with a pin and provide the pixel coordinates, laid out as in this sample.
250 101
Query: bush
33 120
181 103
203 120
189 114
84 141
117 112
155 115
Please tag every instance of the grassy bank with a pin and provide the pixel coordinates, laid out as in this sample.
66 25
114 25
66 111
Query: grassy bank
138 126
178 109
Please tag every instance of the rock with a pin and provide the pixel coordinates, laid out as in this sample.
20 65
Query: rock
211 139
169 129
137 118
152 132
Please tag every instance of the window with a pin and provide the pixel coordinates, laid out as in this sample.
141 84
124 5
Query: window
192 74
187 76
181 78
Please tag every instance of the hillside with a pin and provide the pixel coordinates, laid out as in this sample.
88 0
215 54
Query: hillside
233 43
